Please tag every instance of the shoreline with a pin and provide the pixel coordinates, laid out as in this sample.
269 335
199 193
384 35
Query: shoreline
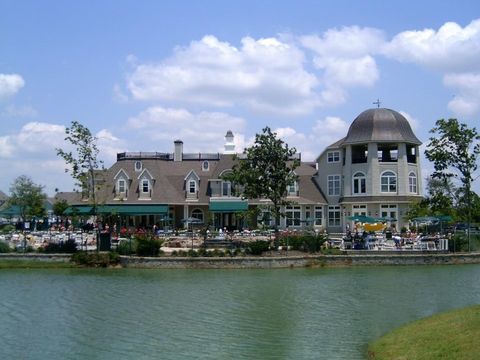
251 262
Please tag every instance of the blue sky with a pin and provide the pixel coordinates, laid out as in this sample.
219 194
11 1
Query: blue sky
140 74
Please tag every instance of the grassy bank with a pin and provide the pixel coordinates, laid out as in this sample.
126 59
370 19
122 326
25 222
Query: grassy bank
451 335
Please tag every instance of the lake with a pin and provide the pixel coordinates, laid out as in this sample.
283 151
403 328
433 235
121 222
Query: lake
219 314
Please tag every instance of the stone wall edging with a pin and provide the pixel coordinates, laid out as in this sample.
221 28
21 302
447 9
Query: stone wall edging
270 262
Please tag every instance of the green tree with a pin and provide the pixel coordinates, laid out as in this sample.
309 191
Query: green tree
265 170
28 197
59 207
454 151
83 161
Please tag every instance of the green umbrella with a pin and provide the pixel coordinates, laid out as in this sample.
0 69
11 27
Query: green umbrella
363 219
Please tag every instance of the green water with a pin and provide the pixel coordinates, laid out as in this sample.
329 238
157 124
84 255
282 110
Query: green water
219 314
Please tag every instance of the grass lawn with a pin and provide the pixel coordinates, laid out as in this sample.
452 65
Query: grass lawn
451 335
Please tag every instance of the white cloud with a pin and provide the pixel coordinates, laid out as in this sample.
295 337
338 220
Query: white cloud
467 100
450 49
10 84
345 57
204 131
264 75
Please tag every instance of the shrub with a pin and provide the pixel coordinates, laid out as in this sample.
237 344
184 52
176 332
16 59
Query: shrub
4 247
192 253
7 229
257 247
68 246
95 259
147 245
126 247
305 242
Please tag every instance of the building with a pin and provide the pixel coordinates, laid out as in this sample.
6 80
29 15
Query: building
374 170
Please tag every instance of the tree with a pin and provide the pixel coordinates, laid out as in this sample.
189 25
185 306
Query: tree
28 197
83 161
454 151
59 207
265 171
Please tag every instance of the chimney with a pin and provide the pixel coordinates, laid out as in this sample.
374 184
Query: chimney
178 154
229 144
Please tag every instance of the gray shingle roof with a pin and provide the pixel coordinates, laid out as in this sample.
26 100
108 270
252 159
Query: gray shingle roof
380 125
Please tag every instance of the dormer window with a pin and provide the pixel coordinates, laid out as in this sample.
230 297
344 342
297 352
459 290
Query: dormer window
145 186
138 166
192 186
293 189
205 166
121 186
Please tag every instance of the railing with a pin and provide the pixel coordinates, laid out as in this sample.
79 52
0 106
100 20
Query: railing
144 155
201 156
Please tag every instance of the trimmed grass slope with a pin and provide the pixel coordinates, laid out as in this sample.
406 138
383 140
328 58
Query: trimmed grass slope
451 335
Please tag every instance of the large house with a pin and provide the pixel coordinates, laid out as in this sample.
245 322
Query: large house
374 170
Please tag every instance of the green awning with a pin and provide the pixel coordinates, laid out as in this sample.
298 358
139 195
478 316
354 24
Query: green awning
117 210
133 209
13 210
228 206
79 210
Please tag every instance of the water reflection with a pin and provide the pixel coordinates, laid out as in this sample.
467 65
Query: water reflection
219 314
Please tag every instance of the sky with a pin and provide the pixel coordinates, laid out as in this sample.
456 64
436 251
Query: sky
141 74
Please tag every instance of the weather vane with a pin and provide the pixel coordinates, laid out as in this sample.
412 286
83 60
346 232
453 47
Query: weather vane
377 103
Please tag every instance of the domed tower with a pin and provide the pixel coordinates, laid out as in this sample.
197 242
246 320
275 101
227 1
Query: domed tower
375 170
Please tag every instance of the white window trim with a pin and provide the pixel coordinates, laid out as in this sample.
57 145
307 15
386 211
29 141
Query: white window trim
334 177
124 186
388 185
198 210
190 187
412 176
333 152
359 178
208 165
148 185
135 166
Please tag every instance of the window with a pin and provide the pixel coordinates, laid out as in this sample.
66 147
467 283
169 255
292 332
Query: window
192 186
389 211
145 186
197 214
264 217
412 182
121 188
333 156
334 215
318 215
359 183
333 185
293 189
226 188
205 166
359 210
388 182
138 166
293 215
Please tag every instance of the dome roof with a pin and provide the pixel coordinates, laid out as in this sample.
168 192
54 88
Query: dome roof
380 125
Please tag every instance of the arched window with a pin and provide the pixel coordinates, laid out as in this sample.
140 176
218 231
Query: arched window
359 183
412 182
197 214
388 182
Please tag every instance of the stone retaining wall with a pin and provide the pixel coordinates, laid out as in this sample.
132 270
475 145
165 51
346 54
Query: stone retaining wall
299 261
372 259
62 258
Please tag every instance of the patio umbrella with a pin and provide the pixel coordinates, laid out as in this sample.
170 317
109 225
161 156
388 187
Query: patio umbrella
385 219
362 219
